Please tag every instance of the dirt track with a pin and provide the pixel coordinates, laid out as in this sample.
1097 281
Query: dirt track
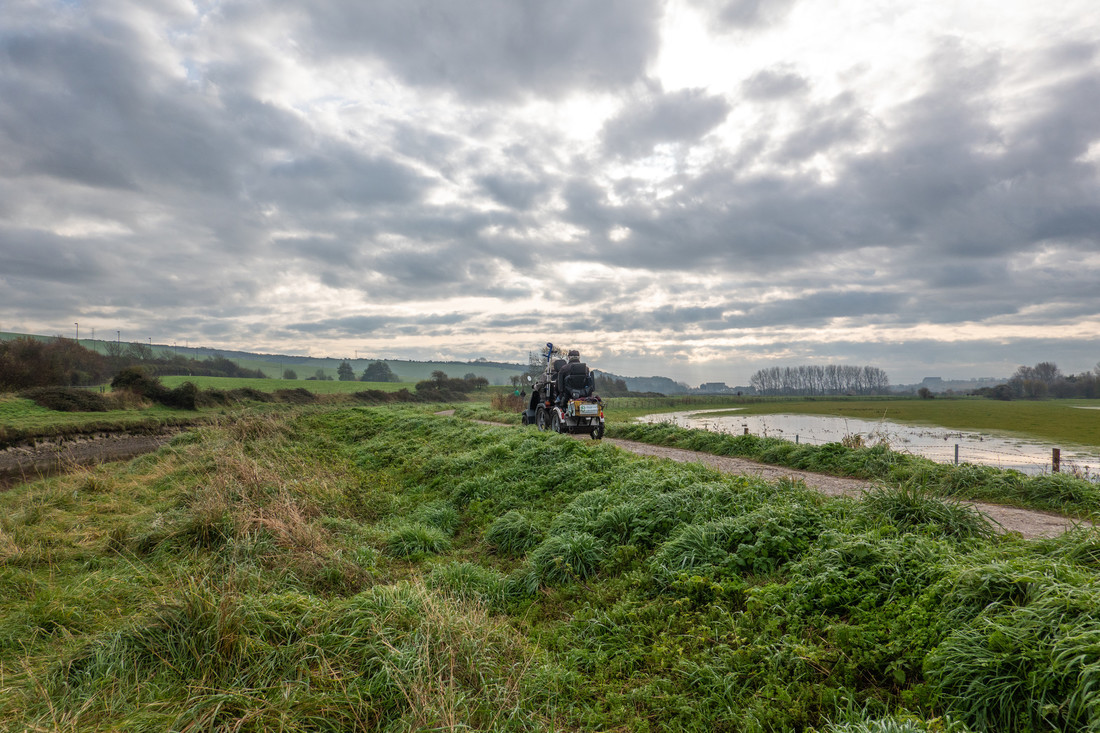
49 458
1029 523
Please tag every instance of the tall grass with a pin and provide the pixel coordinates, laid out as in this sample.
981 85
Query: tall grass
386 569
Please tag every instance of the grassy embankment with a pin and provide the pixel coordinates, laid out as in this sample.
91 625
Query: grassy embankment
1061 493
22 420
387 569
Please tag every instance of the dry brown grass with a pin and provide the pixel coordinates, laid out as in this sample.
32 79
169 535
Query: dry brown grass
506 402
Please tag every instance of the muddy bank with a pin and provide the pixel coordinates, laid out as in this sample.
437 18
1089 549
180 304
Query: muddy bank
53 457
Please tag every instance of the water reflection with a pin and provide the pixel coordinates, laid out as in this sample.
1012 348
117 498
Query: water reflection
937 444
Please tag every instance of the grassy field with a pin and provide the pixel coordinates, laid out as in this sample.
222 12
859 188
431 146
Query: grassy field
270 385
386 569
1059 421
1051 420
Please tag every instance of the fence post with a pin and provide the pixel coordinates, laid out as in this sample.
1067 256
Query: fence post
746 430
956 454
1056 460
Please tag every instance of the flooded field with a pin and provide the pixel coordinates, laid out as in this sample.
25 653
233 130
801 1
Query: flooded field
938 444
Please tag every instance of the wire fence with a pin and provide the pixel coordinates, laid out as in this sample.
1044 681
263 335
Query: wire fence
941 446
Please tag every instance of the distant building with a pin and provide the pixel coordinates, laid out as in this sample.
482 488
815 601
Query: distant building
714 387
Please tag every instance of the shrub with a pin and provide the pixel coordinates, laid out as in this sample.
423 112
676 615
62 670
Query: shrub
66 399
183 397
298 396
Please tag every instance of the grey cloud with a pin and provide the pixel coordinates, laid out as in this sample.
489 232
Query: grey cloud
682 116
769 85
517 192
823 128
492 48
341 176
364 325
746 14
93 112
33 255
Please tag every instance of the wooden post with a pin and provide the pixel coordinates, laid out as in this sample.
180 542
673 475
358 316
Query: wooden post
1056 460
746 430
956 454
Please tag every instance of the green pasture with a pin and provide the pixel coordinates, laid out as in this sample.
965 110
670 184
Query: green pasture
387 569
270 385
1058 421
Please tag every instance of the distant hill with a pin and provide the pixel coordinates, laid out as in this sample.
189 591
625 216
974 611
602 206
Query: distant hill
273 365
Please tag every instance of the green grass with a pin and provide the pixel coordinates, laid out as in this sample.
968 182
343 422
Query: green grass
270 385
1058 421
21 419
383 568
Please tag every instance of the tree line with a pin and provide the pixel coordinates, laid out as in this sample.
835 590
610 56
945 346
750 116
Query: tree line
27 362
813 379
1044 380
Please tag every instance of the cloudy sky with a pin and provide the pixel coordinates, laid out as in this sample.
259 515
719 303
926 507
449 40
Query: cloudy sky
692 188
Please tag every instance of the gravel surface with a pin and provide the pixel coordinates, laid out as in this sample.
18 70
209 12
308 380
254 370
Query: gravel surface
1029 523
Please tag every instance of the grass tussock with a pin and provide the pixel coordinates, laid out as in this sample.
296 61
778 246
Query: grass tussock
386 569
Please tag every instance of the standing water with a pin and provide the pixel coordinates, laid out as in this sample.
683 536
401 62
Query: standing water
937 444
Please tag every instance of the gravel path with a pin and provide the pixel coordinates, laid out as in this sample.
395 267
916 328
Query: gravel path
1029 523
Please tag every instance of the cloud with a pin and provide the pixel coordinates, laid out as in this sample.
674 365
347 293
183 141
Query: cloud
774 83
488 49
682 116
746 14
433 177
513 191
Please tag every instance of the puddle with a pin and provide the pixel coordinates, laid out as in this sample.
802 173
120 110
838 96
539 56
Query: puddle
937 444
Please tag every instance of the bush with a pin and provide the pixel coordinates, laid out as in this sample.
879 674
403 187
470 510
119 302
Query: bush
66 399
298 396
183 397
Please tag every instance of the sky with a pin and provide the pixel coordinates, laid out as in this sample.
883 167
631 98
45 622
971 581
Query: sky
696 189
